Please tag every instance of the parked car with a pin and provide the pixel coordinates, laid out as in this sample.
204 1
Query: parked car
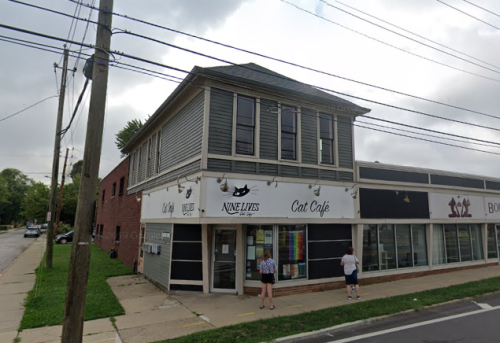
64 238
44 228
32 232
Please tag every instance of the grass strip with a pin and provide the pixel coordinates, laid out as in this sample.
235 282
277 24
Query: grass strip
45 303
265 330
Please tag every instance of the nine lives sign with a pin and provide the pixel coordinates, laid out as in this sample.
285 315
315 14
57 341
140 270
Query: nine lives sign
250 198
172 204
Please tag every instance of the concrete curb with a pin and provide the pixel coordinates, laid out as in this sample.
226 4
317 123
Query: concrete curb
316 333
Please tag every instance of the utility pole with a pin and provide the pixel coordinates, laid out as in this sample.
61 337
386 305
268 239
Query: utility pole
61 193
55 165
80 253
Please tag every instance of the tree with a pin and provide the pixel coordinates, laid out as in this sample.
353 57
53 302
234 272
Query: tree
4 192
17 186
125 134
70 200
36 202
77 169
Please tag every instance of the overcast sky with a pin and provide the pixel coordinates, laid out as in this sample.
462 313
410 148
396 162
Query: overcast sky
280 30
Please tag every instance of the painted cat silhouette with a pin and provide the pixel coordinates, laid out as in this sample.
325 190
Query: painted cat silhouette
188 193
241 192
452 205
465 212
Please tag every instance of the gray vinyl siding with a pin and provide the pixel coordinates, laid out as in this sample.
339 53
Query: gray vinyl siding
152 155
183 171
218 165
135 159
309 142
130 170
245 167
143 162
268 169
344 137
220 130
157 267
289 171
182 136
309 173
346 176
328 174
268 130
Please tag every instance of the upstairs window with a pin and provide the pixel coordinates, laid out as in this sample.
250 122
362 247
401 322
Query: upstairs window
326 126
122 186
245 126
118 231
288 133
103 196
113 190
158 155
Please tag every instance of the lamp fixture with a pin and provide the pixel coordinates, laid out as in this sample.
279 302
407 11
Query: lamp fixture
198 178
354 193
137 198
311 186
179 187
406 199
317 191
269 183
224 187
219 179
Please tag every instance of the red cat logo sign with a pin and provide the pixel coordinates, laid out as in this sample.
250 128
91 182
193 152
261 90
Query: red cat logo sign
459 209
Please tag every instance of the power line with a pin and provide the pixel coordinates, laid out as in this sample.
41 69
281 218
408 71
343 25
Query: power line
484 9
469 15
417 35
27 108
91 7
390 45
409 38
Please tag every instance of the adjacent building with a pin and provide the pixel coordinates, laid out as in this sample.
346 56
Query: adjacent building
240 159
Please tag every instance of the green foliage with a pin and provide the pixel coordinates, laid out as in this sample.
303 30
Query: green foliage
70 200
258 331
36 202
63 228
13 187
125 134
77 169
45 304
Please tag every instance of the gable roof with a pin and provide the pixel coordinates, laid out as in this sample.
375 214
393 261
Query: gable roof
256 75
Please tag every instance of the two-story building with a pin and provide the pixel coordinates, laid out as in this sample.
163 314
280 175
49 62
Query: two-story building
240 159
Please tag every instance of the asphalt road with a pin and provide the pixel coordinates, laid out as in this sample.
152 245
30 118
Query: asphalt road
12 244
464 322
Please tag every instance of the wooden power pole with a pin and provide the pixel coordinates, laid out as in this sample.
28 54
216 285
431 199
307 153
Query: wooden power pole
58 217
74 313
55 166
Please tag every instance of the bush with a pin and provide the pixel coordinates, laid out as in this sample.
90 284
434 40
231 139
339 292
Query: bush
64 228
3 228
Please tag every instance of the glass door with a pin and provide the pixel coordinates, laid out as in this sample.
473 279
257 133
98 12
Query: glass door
224 260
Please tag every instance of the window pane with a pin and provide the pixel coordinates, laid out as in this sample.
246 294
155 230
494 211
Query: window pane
477 242
492 243
326 151
404 246
326 126
288 146
370 248
292 252
259 239
450 232
387 247
246 111
288 119
464 239
244 140
438 251
420 245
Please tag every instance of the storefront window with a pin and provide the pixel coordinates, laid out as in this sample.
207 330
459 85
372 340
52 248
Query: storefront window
477 242
464 239
259 239
370 248
387 247
438 249
451 242
419 240
492 242
292 252
403 234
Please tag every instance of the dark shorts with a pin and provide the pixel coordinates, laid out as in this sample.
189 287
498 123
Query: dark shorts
352 279
268 278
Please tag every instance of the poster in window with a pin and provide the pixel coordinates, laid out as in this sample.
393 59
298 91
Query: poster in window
249 240
286 271
259 254
268 239
260 236
251 253
302 270
296 239
294 271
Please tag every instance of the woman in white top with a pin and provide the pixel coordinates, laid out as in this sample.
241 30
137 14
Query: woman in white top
349 261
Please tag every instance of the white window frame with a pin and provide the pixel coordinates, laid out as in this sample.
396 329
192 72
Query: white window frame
256 131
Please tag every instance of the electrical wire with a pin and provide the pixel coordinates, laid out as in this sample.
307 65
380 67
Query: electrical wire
390 45
409 38
469 15
92 7
27 108
484 9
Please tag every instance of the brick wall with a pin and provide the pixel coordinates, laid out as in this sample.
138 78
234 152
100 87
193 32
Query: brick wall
119 210
367 281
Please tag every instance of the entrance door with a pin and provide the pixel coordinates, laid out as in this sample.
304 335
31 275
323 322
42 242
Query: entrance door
224 260
140 264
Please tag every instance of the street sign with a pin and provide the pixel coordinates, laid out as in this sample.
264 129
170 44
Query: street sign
49 216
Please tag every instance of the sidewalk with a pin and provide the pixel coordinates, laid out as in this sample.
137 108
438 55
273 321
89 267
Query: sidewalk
15 283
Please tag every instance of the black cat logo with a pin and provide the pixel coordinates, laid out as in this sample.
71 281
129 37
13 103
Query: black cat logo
241 192
189 192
